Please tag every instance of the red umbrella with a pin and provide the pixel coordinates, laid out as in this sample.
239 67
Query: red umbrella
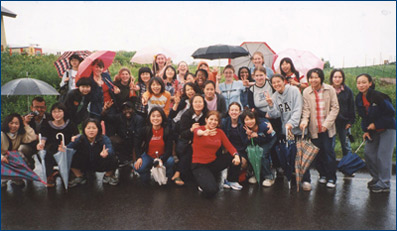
85 69
62 64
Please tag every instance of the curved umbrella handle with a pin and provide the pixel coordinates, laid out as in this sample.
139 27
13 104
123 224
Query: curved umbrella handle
63 138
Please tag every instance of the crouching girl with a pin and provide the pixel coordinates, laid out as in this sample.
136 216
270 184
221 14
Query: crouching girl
94 152
155 142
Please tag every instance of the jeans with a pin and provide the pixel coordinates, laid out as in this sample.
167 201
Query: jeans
344 140
147 163
266 171
325 159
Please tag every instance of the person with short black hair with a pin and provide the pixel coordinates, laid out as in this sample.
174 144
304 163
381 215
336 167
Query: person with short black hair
78 99
157 95
144 76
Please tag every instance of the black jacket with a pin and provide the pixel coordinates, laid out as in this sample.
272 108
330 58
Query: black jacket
77 105
186 123
346 107
146 134
127 129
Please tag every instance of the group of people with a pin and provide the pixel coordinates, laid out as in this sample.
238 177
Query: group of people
197 127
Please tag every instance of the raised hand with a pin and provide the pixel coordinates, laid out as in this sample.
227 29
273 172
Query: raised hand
268 99
104 152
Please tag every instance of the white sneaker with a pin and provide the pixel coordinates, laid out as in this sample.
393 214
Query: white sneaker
322 180
268 183
330 184
199 188
235 186
306 186
226 184
252 180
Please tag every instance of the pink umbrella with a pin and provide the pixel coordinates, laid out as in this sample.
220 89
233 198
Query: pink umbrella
303 60
85 68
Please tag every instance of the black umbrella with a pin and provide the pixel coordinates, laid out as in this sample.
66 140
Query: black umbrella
219 52
27 86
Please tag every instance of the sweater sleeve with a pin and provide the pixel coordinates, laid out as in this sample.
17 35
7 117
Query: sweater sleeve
4 143
108 145
296 112
334 109
274 110
226 143
29 136
387 115
167 103
306 106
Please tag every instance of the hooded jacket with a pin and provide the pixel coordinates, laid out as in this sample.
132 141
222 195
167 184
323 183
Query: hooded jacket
288 106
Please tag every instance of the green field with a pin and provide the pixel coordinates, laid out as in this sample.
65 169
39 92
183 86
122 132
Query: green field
41 67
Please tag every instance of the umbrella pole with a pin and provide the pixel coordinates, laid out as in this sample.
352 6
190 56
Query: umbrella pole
28 102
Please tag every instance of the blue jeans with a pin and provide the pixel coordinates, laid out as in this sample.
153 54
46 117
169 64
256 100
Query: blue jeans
325 159
266 171
147 164
344 140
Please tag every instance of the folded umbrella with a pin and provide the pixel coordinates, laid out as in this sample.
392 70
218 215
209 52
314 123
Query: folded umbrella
351 163
305 155
255 154
17 168
64 161
42 154
159 173
286 153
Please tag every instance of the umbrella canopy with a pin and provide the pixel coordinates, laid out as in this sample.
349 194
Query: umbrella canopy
253 47
62 64
27 86
306 153
64 161
146 55
286 152
17 168
255 153
219 52
303 60
85 69
351 163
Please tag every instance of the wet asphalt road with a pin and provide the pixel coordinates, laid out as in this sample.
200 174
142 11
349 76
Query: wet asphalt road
131 205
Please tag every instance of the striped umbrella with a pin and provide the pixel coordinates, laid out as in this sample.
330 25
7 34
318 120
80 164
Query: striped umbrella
306 153
62 64
17 168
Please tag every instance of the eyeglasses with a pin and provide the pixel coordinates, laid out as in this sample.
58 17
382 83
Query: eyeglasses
39 107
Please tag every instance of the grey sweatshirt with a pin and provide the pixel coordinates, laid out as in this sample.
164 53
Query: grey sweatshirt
288 106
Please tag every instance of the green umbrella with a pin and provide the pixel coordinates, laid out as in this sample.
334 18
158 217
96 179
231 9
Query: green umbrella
255 153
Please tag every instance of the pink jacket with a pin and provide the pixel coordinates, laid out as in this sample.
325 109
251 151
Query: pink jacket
309 110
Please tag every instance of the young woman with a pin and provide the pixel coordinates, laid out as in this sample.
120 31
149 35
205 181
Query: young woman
259 61
288 70
235 132
68 78
94 152
215 101
206 163
379 126
257 93
171 83
244 75
320 109
262 134
190 78
211 74
59 123
156 142
183 69
231 89
287 103
346 116
157 95
144 76
159 63
78 99
191 119
125 82
15 130
201 78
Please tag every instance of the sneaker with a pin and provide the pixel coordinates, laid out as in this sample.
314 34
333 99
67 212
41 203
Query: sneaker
235 185
114 180
76 181
330 184
371 183
226 184
306 186
377 189
348 176
18 182
252 180
322 180
199 188
268 183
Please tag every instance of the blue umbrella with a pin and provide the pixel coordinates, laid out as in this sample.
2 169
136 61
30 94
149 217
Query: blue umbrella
351 163
17 168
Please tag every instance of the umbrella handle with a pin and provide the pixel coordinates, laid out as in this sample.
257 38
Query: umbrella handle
39 138
360 146
63 138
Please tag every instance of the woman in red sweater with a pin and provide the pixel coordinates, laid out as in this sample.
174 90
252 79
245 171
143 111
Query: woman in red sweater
206 164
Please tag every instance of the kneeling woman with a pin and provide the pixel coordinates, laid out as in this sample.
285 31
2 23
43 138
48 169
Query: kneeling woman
94 152
156 142
205 162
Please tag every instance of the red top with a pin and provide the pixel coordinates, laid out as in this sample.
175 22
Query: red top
156 143
366 103
205 147
106 94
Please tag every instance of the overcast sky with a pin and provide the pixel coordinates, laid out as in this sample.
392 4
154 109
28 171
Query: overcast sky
345 33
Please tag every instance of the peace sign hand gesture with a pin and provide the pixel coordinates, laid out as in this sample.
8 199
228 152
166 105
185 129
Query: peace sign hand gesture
268 99
104 152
